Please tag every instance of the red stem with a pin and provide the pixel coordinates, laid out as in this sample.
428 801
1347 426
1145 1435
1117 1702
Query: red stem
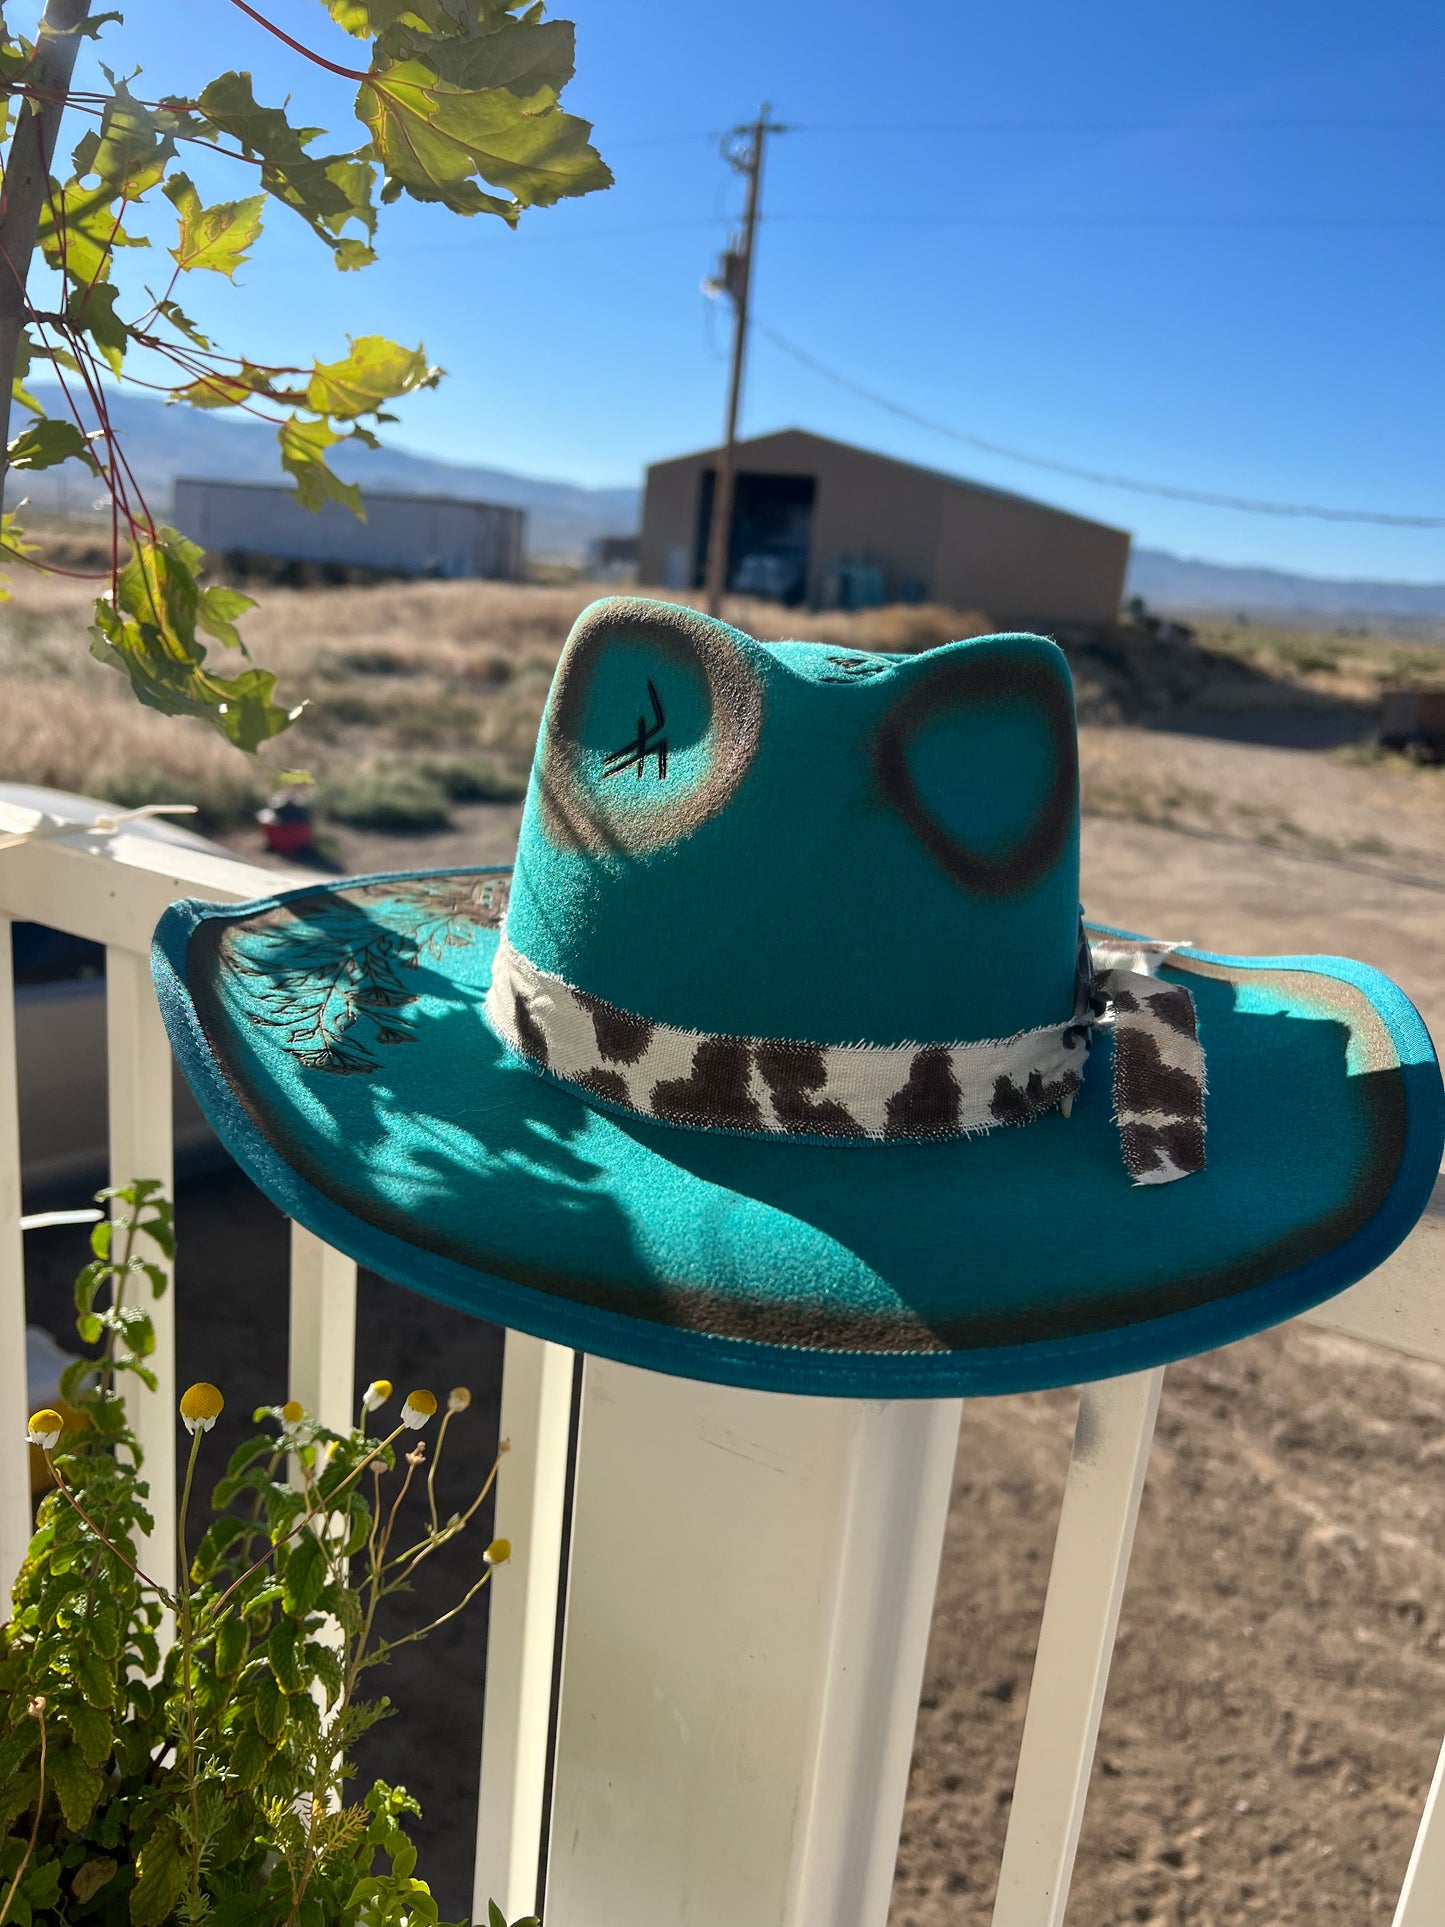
346 73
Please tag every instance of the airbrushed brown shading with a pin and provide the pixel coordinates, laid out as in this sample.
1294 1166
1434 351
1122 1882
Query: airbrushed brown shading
974 680
578 816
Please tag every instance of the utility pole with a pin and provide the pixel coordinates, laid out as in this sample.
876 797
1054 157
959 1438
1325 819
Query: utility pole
734 279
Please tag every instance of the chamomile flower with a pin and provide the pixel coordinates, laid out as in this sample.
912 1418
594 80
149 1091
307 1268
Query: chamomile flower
45 1428
419 1407
293 1412
376 1393
458 1399
498 1552
201 1406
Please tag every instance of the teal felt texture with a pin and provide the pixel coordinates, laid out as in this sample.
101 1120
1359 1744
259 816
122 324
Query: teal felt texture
788 881
792 841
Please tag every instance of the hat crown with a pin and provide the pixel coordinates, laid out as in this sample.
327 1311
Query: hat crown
795 841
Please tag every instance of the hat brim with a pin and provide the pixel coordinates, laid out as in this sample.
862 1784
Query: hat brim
355 1078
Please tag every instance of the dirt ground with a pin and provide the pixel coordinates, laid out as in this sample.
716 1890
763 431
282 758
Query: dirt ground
1278 1693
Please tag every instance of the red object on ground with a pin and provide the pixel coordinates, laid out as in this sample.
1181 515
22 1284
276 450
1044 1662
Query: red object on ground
286 826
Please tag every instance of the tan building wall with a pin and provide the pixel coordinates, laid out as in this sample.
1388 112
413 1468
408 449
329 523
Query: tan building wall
930 534
1020 562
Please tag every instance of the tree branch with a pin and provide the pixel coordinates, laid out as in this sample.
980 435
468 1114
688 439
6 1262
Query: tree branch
27 177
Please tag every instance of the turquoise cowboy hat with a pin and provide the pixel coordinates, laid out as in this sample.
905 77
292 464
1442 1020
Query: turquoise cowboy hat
782 1057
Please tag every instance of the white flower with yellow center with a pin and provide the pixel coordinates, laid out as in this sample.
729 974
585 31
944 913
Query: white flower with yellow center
419 1407
376 1393
201 1406
45 1428
498 1552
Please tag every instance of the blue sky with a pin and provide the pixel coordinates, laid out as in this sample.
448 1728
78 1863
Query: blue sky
1199 245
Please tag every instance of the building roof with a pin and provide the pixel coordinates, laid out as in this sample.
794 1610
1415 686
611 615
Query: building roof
893 461
373 495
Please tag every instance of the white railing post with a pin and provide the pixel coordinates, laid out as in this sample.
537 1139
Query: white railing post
521 1623
1422 1898
1076 1643
750 1587
14 1399
139 1056
321 1371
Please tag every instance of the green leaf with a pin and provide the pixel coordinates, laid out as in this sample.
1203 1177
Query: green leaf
269 1707
77 1786
130 153
214 1540
92 310
366 19
93 1732
181 321
41 1885
526 57
434 137
105 1627
328 191
46 443
250 1756
231 1646
303 454
95 1680
90 1876
212 237
303 1577
376 371
79 231
149 633
216 613
161 1875
281 1650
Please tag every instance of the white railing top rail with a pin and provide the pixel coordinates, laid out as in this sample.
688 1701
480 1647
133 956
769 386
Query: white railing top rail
656 1795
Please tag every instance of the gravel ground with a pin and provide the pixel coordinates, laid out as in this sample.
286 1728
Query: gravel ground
1279 1688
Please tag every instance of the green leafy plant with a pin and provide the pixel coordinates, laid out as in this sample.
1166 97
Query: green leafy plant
458 102
201 1777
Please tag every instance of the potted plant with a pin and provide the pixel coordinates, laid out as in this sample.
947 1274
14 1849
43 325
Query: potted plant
182 1756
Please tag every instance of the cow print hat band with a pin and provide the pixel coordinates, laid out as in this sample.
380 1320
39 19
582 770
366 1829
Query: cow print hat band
872 1093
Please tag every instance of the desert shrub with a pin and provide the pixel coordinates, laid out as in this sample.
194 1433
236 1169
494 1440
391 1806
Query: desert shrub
386 796
478 779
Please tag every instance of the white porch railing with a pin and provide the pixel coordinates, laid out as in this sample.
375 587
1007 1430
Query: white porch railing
750 1582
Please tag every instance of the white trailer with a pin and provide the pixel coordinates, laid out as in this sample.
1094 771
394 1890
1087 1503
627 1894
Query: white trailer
423 535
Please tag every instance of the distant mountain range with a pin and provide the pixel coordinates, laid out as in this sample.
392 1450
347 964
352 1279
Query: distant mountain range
564 519
1172 582
162 443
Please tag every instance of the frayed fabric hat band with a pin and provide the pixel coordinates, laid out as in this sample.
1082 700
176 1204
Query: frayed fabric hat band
880 1093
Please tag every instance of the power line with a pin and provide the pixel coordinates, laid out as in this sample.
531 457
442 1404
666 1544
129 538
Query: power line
1134 486
891 220
1301 124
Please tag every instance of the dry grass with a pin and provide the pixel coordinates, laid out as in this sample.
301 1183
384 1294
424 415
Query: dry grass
439 686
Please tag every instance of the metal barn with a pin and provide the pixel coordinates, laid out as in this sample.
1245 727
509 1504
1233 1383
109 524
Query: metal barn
819 522
422 535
